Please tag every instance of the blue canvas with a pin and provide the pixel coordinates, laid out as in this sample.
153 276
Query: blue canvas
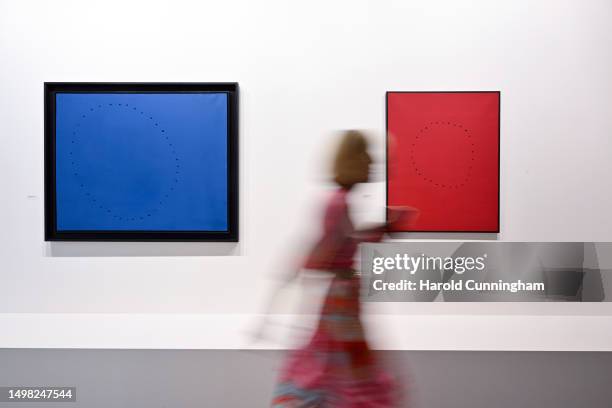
141 161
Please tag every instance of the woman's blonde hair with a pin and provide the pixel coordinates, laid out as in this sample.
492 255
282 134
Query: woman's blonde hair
347 165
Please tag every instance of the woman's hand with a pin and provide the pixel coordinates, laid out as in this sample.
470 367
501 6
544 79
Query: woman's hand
404 215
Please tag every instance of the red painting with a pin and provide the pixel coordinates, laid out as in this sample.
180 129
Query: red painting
443 159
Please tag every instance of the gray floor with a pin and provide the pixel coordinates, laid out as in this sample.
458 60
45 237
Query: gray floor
223 378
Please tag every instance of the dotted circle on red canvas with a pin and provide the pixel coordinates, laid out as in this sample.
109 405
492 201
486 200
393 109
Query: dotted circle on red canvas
460 131
156 131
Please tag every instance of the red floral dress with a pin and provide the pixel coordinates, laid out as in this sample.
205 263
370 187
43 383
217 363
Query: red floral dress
336 368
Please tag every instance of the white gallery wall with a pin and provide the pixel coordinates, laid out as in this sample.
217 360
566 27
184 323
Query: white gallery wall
305 69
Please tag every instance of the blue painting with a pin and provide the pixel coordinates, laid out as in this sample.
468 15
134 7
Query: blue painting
141 161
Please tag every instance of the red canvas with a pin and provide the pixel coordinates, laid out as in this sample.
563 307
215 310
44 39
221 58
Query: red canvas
443 159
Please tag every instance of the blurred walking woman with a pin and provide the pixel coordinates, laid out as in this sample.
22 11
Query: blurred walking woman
337 368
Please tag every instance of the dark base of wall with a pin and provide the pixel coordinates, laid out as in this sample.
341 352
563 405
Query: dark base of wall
227 378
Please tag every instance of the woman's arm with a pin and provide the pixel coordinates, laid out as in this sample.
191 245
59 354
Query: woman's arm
395 215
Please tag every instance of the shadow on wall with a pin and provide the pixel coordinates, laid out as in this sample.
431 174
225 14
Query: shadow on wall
103 249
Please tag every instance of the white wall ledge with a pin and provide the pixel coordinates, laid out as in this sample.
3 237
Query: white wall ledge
234 331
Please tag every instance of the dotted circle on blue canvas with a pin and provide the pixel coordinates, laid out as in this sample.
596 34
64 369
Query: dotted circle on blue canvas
463 133
156 134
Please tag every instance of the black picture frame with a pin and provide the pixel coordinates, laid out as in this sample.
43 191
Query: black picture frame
50 215
495 231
